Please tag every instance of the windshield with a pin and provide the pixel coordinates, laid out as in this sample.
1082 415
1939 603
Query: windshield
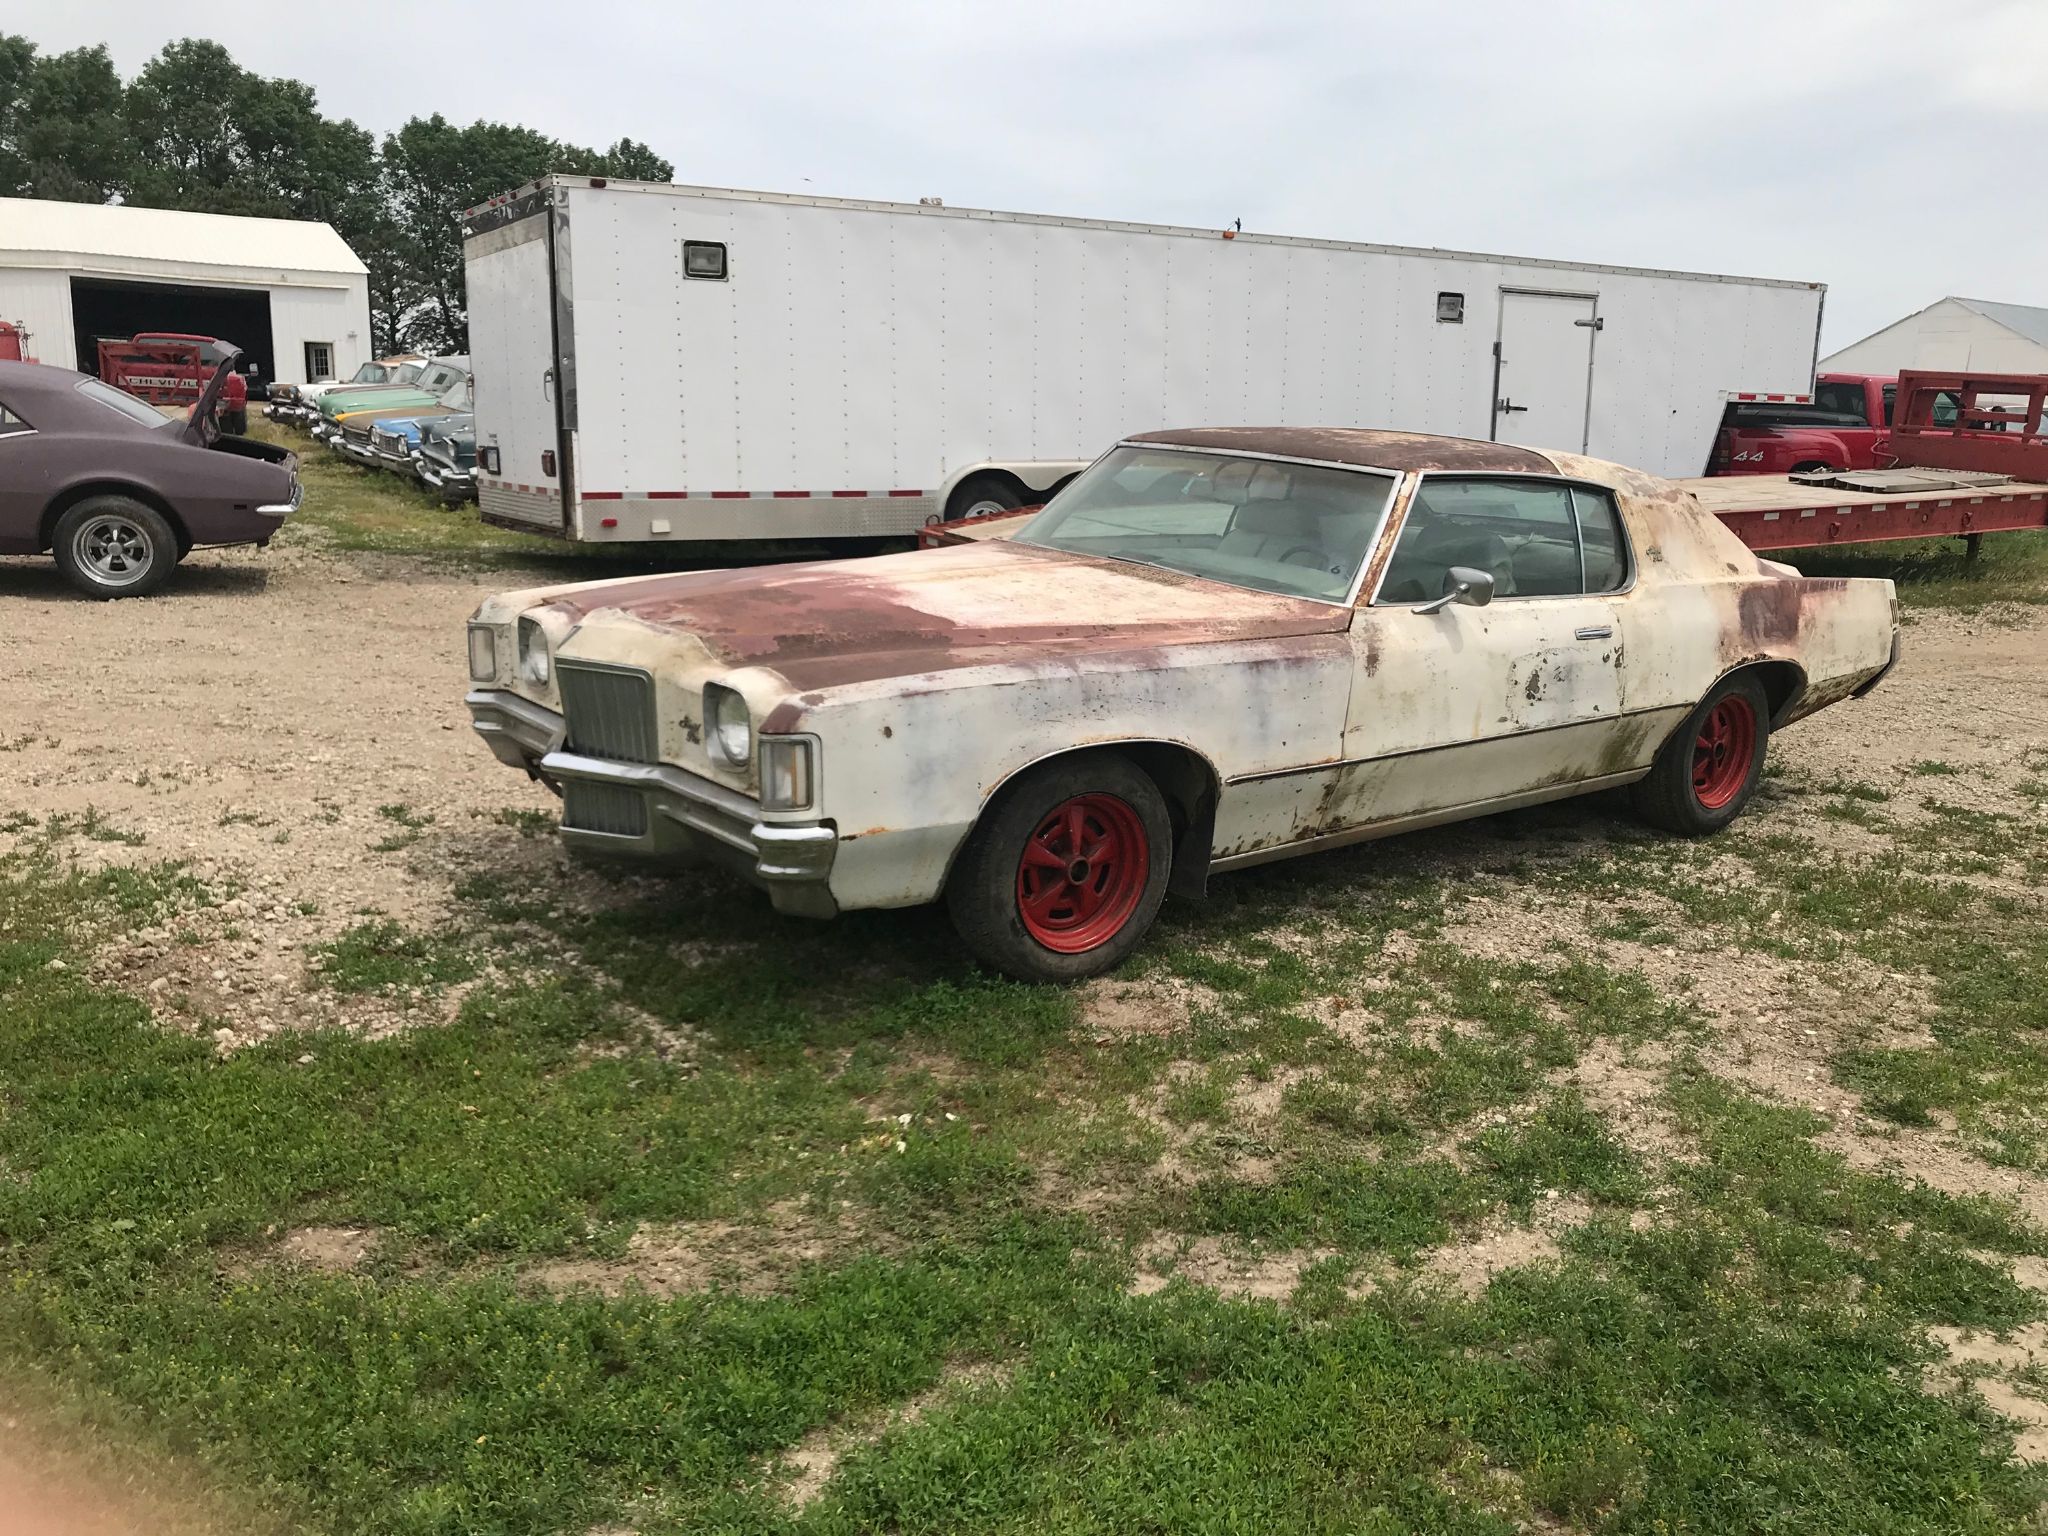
1297 529
438 378
407 372
120 400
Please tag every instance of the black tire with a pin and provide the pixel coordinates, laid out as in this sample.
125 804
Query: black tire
1702 778
114 546
1121 811
980 495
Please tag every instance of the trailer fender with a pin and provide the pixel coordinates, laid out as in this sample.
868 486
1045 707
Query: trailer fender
1037 478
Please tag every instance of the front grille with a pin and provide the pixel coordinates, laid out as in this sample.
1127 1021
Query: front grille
588 807
610 712
356 434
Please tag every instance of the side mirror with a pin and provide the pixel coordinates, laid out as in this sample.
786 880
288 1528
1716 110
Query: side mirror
1462 584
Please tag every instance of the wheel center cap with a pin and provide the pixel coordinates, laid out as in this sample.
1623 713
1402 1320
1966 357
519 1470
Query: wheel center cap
1077 872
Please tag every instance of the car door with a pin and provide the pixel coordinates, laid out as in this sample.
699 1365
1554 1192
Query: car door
24 483
1518 700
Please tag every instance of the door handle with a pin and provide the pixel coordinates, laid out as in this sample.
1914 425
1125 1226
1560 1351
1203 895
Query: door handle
547 385
1594 632
1506 406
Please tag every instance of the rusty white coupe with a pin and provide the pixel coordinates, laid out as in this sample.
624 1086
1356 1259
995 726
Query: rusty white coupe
1211 649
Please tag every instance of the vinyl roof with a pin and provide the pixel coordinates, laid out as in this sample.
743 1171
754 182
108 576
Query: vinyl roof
1360 446
33 227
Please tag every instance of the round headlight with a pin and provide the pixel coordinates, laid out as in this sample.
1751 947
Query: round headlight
535 662
731 731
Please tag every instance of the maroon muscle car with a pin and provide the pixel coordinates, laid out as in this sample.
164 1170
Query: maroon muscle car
117 492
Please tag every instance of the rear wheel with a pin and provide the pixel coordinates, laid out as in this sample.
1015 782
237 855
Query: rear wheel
114 546
1064 874
983 496
1710 766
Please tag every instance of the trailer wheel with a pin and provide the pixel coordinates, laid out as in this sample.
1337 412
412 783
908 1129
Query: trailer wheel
114 546
1063 876
1709 768
983 496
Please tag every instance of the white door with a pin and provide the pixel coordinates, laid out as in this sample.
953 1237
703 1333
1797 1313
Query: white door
512 359
1545 368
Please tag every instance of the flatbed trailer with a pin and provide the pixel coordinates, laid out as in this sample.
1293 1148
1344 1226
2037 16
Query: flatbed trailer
1982 468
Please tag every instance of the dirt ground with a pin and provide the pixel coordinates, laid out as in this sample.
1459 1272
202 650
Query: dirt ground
290 722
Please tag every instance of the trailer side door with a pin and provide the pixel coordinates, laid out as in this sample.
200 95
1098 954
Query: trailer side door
1543 368
523 478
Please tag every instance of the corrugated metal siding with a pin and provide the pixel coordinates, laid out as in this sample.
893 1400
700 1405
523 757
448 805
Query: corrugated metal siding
40 302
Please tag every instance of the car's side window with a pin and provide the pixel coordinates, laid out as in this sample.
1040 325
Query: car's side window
1534 537
1600 536
11 423
1520 533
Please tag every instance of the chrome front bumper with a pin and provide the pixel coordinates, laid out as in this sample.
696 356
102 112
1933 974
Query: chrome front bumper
680 818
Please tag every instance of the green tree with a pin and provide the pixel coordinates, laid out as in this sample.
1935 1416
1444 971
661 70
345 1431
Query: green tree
17 64
63 132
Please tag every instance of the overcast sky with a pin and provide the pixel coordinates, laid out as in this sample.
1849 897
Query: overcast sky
1888 148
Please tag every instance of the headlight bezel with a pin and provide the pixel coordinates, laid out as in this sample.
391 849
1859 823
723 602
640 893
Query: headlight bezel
488 635
720 700
789 772
534 653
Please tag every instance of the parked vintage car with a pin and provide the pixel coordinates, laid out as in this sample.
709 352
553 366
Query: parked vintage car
446 461
425 393
118 492
1212 649
388 441
299 403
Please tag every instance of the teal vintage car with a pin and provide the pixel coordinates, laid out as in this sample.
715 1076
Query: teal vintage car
423 394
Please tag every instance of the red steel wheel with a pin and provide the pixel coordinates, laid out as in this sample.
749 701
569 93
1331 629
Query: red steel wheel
1722 751
1082 873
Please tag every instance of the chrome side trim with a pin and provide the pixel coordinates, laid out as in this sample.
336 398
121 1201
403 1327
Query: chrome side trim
1421 819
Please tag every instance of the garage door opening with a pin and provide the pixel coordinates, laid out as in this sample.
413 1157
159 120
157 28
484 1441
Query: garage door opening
106 310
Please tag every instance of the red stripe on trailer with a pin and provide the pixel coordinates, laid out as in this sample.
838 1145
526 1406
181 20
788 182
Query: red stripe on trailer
668 495
862 495
604 495
906 493
730 495
791 495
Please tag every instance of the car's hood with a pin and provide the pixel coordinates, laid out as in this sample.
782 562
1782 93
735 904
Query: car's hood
846 621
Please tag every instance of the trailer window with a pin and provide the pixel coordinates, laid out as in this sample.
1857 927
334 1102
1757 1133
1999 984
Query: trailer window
1297 529
704 259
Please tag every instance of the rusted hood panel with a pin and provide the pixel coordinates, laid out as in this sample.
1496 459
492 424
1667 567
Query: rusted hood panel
850 621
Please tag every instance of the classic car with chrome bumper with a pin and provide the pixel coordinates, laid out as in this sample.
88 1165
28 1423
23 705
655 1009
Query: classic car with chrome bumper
655 811
1214 648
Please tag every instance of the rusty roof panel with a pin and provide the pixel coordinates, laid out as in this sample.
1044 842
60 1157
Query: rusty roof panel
1359 446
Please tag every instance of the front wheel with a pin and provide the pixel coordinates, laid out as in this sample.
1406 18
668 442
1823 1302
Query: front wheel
1710 766
114 546
1064 874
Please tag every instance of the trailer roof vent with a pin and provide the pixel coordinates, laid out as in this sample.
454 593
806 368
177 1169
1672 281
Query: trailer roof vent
1450 308
704 259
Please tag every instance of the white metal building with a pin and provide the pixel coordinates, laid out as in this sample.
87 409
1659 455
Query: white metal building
289 293
1953 333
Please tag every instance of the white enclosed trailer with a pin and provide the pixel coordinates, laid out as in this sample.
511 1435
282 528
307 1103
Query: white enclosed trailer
658 362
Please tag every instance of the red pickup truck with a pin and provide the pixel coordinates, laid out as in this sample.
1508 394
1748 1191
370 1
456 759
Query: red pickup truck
1844 427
